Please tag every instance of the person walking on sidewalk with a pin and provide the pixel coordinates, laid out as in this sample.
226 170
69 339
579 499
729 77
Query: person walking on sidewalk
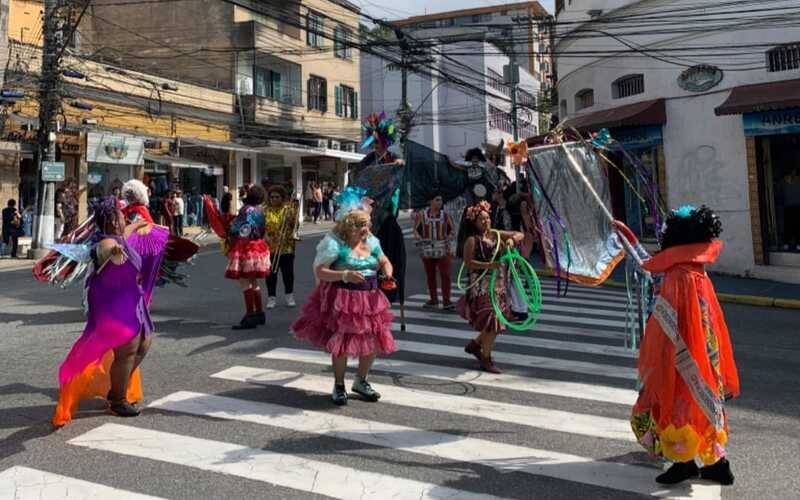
281 220
180 212
481 249
317 194
248 256
686 366
347 314
12 227
434 230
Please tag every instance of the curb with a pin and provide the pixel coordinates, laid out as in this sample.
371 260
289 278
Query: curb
728 298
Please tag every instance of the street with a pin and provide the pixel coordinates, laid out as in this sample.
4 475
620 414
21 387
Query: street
248 414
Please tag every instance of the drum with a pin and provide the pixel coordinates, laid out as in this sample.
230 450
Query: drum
433 249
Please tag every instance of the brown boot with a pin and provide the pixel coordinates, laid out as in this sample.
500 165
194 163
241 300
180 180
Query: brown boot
487 365
473 348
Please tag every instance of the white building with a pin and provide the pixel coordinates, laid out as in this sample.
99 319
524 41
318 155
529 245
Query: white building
450 118
706 96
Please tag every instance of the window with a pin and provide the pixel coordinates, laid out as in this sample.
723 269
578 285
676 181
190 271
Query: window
495 81
784 58
341 43
627 86
526 99
346 102
584 99
278 79
317 94
268 84
562 109
446 23
315 29
500 120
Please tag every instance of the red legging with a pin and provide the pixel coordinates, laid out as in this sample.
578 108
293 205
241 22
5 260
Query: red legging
443 265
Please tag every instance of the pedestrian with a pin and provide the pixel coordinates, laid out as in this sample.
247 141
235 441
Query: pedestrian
58 213
501 216
317 202
135 196
686 366
168 210
248 256
119 329
12 227
326 201
347 314
180 212
481 250
434 228
281 220
226 202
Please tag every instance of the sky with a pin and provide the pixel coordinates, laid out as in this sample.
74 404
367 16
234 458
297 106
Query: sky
394 9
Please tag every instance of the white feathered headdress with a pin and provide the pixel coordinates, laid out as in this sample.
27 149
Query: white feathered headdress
134 191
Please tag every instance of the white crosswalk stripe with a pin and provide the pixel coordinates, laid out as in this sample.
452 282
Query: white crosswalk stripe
24 483
580 338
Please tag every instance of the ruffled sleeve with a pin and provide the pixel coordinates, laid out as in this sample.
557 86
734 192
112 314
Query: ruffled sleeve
327 251
375 245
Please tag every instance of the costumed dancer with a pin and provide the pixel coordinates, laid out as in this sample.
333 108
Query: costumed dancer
135 201
686 365
248 256
105 360
481 248
346 314
434 231
381 134
281 218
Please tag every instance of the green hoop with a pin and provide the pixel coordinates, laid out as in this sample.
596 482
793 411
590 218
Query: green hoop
532 295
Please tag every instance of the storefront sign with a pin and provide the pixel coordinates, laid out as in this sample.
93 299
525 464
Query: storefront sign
772 122
53 171
638 137
114 149
700 78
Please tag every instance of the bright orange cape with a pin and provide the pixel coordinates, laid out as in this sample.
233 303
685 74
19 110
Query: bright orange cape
666 418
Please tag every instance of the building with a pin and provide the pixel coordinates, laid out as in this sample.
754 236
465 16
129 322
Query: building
708 103
291 66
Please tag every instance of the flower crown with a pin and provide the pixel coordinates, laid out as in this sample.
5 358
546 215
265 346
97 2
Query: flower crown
379 128
475 210
352 198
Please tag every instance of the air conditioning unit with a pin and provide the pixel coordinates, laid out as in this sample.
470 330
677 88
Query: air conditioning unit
322 143
336 145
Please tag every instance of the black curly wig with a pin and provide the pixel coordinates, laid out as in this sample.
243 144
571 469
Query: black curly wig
701 225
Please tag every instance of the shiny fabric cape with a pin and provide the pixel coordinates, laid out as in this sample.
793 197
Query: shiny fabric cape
575 234
117 313
671 417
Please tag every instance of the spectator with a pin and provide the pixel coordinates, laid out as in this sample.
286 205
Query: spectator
326 201
179 211
317 202
59 215
168 211
226 202
12 227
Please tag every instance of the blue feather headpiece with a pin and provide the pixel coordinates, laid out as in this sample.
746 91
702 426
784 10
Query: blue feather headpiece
379 128
684 211
352 198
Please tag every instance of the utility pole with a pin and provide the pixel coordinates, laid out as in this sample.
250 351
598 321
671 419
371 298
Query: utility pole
511 76
405 107
49 99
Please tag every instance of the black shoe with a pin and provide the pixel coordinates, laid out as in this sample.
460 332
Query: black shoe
260 318
720 472
680 471
249 322
339 395
123 409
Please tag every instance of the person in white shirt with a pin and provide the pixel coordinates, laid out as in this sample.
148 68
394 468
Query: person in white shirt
179 212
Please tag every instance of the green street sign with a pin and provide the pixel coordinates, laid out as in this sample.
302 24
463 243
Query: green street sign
52 171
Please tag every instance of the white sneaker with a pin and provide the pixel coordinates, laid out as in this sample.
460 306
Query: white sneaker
270 302
290 300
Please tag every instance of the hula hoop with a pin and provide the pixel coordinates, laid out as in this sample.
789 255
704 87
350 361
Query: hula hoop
479 278
532 296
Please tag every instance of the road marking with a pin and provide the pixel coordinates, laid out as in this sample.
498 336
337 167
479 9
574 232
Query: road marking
24 483
564 365
531 416
588 293
289 471
525 340
576 320
500 456
549 300
575 390
552 307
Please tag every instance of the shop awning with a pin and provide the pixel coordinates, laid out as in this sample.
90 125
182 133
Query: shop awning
281 148
171 161
225 146
772 96
638 114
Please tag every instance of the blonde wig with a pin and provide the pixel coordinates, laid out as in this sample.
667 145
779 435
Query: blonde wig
348 225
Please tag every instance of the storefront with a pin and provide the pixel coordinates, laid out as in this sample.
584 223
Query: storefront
112 159
771 123
164 173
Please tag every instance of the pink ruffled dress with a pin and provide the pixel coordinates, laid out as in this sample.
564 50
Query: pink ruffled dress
347 319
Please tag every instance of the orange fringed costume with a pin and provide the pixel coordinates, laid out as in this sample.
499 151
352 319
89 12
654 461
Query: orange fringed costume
686 364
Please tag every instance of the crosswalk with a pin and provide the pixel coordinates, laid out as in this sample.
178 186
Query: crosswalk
555 421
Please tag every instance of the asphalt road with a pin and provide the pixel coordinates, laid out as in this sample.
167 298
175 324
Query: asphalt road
225 422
